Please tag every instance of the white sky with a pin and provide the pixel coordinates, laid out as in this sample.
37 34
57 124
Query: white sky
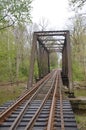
55 11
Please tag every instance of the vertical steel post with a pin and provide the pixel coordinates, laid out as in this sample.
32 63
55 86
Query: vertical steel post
65 66
71 91
64 60
44 62
39 60
32 59
48 62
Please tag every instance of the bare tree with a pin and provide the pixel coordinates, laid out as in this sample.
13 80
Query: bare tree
43 24
77 3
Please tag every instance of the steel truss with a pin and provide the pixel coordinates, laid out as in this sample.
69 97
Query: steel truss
46 42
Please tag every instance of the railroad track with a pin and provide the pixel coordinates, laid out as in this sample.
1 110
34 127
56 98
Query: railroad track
43 108
26 95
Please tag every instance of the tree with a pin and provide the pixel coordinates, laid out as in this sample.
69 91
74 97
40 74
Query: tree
7 54
53 60
14 54
14 12
43 24
22 51
31 28
77 3
78 40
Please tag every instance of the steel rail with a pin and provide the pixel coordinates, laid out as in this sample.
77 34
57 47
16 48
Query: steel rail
19 117
61 103
50 125
34 118
10 109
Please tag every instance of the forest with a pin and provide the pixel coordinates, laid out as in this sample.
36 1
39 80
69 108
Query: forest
16 31
16 34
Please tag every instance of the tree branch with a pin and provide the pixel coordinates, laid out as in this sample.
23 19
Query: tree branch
7 26
3 17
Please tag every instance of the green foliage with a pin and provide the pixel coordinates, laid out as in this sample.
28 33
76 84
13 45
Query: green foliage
14 55
24 69
78 42
35 70
77 72
53 61
80 92
10 92
4 54
81 121
14 11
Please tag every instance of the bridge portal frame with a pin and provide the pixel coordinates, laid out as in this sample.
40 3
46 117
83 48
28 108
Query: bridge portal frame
41 49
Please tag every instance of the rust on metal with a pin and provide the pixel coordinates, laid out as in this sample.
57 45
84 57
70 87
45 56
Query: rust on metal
46 42
32 60
29 117
61 103
5 114
31 123
21 114
50 125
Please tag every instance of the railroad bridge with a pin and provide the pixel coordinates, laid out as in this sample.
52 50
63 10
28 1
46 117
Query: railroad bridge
46 42
44 106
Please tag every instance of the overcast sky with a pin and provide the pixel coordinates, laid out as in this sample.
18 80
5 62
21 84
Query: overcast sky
55 11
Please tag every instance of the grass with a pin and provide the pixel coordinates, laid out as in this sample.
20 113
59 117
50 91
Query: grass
81 121
80 115
8 93
80 92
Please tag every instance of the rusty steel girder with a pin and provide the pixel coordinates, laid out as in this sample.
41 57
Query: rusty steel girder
46 42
